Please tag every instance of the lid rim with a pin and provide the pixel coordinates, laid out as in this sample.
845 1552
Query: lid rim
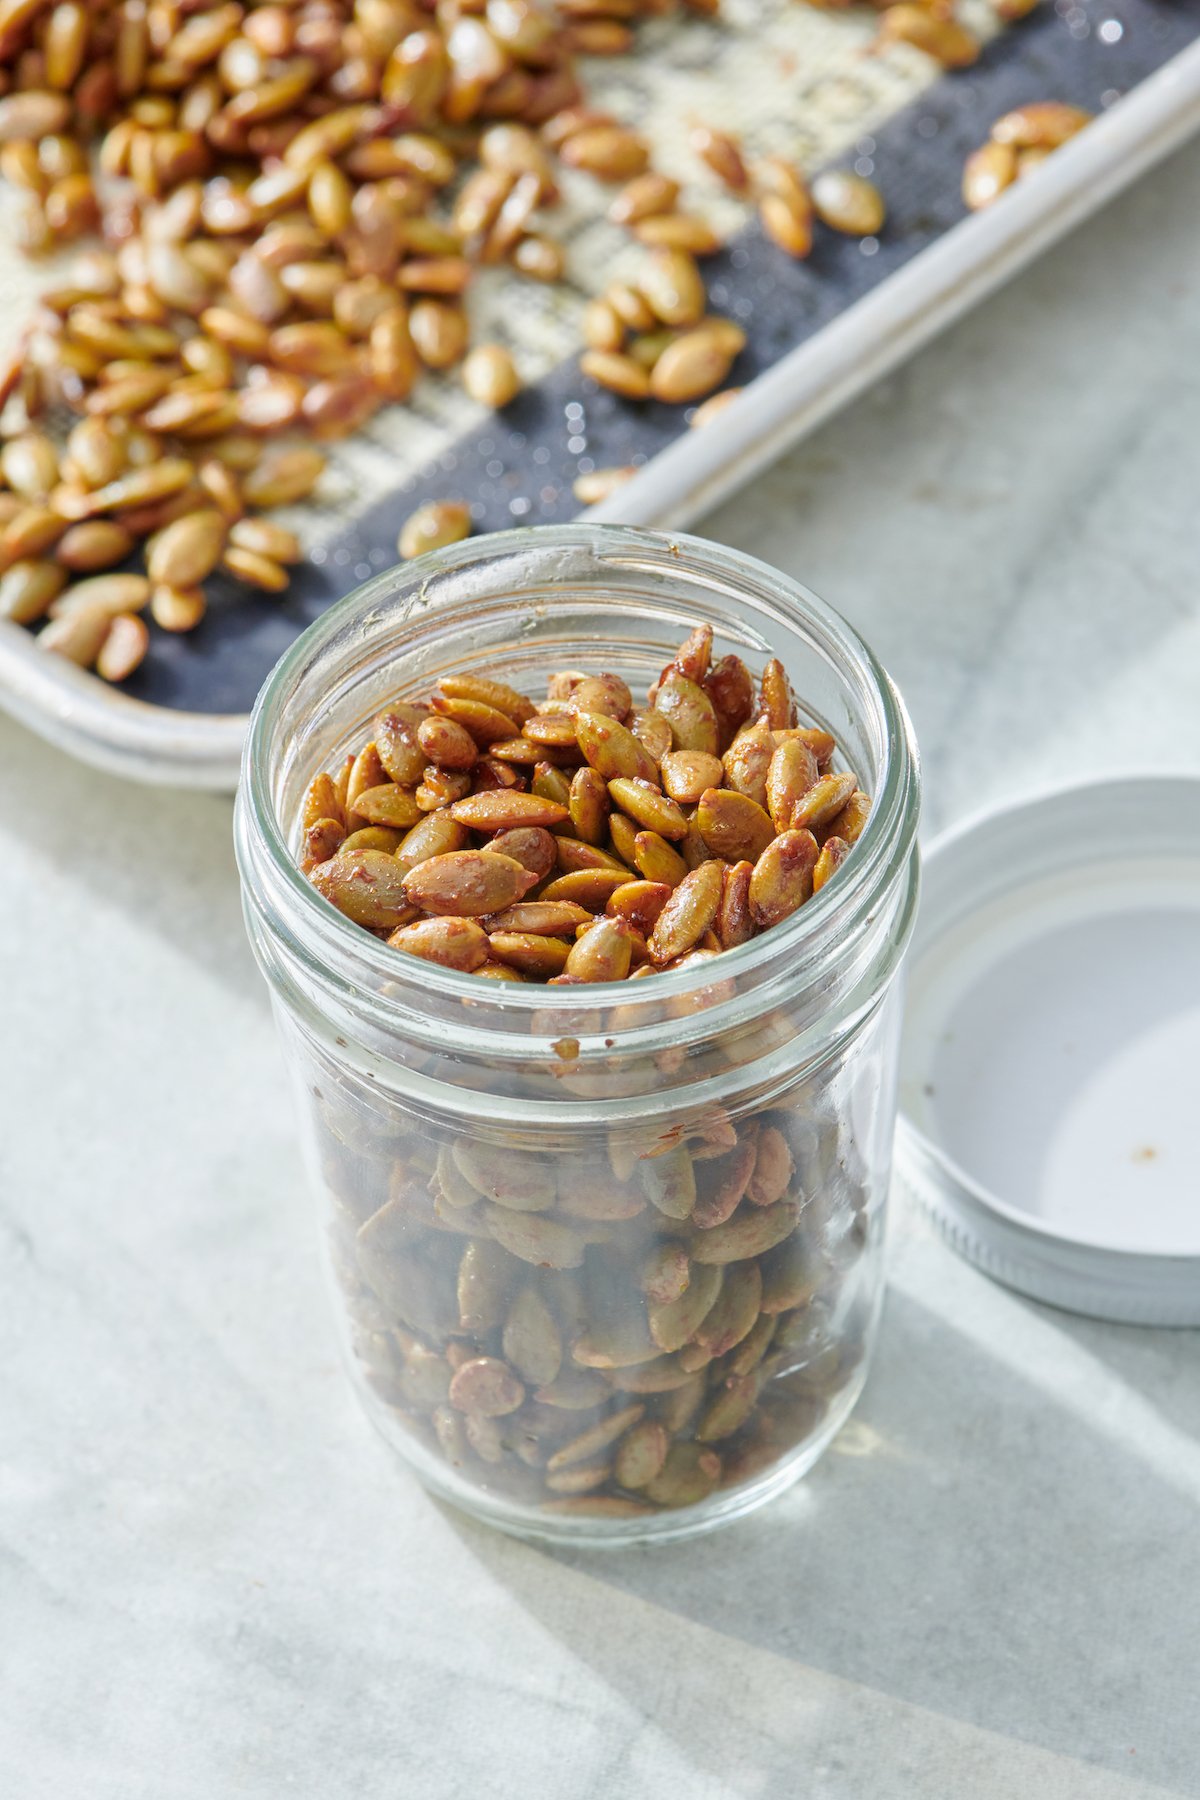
1152 1285
1064 1288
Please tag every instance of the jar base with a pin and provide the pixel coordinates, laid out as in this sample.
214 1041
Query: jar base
725 1507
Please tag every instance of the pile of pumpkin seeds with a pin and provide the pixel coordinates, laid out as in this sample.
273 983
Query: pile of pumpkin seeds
628 1328
584 839
292 201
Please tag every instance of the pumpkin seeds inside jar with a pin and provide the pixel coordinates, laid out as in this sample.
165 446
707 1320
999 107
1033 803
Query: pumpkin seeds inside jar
651 1321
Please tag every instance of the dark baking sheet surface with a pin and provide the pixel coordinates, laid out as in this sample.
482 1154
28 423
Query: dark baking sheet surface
517 468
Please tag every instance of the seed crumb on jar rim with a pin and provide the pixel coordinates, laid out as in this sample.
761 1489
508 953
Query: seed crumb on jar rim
629 854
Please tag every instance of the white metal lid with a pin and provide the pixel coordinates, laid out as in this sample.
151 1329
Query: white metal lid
1050 1072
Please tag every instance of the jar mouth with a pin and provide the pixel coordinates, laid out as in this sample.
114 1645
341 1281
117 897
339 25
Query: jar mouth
415 601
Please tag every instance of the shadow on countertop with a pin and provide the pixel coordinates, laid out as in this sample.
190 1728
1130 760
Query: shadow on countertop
1006 1537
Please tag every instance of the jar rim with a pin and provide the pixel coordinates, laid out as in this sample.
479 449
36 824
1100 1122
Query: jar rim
356 963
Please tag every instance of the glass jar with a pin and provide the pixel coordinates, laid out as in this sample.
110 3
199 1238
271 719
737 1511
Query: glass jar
608 1264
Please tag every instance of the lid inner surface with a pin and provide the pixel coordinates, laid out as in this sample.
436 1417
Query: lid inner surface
1052 1048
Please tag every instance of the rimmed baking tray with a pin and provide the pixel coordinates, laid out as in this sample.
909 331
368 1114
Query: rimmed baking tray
788 78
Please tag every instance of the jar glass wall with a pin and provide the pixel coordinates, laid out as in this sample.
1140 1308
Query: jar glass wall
607 1259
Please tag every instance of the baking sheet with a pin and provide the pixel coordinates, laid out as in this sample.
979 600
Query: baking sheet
787 78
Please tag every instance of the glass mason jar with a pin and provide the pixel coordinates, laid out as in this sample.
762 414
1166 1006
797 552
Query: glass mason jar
647 1223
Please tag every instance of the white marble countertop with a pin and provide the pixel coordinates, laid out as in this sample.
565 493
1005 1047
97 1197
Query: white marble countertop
213 1581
